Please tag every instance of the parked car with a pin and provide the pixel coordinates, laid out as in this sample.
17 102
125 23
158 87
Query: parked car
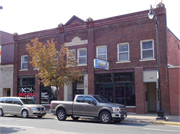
21 106
89 106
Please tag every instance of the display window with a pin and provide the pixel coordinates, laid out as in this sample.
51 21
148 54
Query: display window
26 87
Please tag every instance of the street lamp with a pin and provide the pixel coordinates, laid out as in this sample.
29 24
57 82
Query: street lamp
160 111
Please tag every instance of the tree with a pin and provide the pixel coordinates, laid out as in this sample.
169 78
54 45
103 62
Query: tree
54 69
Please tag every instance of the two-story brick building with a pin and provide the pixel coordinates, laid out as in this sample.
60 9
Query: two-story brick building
127 43
6 63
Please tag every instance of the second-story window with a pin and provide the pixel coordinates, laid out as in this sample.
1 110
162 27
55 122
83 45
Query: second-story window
101 52
82 56
147 49
24 62
123 52
72 57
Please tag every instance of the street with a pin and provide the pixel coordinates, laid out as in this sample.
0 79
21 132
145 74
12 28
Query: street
50 125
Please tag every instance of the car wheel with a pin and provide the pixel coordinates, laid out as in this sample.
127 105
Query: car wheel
61 115
75 118
15 115
25 114
1 112
105 117
39 116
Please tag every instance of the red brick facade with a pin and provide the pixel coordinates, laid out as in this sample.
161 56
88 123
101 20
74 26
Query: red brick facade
174 90
131 28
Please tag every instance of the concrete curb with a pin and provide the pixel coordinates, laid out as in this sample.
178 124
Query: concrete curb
166 123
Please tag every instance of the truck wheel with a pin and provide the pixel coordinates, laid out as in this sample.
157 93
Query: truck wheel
1 112
25 114
75 118
61 115
105 117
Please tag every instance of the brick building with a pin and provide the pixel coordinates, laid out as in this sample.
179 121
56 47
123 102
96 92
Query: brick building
6 63
127 43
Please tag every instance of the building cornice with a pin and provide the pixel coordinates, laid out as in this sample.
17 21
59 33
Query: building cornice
89 24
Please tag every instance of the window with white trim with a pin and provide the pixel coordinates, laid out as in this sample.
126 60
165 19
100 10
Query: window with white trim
101 52
36 67
147 49
123 52
82 56
24 62
72 56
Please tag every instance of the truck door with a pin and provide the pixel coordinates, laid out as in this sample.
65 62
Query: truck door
89 109
77 106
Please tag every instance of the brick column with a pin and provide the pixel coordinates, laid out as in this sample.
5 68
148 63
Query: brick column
139 90
90 61
15 76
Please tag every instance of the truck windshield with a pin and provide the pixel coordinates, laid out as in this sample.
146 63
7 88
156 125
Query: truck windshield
101 99
28 101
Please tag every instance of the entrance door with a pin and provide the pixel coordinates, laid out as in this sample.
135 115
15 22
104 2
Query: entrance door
151 88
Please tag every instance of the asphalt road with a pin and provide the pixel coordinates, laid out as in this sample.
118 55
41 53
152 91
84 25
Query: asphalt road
50 125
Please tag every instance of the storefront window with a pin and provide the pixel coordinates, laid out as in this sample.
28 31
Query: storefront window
119 77
26 87
48 94
104 77
119 89
130 95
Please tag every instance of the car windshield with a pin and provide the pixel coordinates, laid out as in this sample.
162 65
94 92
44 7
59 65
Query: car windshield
101 99
28 101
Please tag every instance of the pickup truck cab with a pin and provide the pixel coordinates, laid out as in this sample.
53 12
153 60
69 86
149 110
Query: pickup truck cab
89 106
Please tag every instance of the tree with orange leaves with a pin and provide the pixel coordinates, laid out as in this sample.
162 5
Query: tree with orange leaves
55 68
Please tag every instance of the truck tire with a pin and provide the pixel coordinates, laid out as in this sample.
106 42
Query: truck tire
1 112
61 115
105 117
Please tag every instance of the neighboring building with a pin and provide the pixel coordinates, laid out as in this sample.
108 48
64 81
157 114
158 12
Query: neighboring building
6 64
128 43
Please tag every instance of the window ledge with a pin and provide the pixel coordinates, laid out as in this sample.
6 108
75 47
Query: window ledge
147 59
126 61
130 106
23 70
82 65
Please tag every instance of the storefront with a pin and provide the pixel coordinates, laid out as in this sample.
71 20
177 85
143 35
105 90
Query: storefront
116 87
47 94
26 86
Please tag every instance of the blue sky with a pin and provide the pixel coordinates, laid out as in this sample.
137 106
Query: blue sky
24 16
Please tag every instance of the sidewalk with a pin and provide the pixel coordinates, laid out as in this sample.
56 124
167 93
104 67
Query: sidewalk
151 118
142 118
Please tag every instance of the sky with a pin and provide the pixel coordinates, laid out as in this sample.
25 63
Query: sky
24 16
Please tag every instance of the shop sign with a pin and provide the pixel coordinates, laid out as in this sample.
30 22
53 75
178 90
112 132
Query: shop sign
101 64
26 92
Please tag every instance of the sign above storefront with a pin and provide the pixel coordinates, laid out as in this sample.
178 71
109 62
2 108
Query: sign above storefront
101 64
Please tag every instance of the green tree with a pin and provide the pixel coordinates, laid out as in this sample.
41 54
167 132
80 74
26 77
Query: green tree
55 68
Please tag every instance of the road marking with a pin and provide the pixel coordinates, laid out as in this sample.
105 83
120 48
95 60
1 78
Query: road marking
15 126
161 130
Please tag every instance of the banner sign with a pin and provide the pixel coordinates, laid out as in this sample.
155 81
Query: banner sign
101 64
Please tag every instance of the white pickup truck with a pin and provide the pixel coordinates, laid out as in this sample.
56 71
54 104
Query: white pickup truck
89 106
